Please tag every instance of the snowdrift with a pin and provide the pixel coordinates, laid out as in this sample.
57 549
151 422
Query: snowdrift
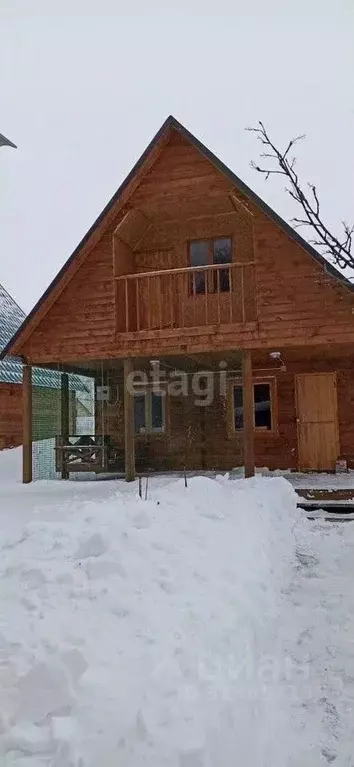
144 632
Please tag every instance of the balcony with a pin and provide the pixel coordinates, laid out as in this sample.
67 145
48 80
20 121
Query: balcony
193 297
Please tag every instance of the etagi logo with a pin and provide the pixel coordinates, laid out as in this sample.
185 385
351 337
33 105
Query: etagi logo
204 385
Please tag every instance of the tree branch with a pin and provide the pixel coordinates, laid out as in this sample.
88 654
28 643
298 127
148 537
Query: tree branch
339 251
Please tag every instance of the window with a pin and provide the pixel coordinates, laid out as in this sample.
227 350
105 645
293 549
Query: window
206 253
140 413
149 412
263 405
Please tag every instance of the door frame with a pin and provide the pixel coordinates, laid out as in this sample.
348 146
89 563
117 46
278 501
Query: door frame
333 374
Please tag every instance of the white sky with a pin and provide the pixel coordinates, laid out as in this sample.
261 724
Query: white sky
85 85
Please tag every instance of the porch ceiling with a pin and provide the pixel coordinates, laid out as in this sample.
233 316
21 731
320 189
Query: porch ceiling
342 353
188 363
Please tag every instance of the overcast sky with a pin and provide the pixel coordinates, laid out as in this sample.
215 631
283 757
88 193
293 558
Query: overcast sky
85 85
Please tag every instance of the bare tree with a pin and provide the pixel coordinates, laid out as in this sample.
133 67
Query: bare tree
282 163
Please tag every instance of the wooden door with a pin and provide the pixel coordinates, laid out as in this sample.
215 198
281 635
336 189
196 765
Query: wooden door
317 421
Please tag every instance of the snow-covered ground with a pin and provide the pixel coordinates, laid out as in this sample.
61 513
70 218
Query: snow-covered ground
208 626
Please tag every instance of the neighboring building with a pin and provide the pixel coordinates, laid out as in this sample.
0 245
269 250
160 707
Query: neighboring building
46 389
188 269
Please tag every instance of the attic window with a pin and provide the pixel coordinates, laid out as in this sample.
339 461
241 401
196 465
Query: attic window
208 253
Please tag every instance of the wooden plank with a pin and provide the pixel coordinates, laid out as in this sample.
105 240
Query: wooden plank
242 297
159 300
132 227
126 305
137 297
230 296
206 300
133 344
210 330
248 408
317 421
238 205
64 411
218 293
27 424
187 269
129 440
123 259
148 304
172 294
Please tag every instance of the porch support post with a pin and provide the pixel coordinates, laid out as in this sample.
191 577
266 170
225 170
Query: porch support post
27 424
64 409
248 422
129 447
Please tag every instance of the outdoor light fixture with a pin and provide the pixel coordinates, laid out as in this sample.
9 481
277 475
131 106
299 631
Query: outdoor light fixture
276 356
6 142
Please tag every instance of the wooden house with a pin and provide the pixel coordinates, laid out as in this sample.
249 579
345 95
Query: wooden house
191 283
45 390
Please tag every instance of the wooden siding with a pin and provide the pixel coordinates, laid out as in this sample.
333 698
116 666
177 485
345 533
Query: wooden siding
298 302
200 438
10 415
183 196
81 323
180 176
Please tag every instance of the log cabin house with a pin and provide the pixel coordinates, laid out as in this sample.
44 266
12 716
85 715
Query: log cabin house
190 282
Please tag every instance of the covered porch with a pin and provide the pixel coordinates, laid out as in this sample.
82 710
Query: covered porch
207 411
152 415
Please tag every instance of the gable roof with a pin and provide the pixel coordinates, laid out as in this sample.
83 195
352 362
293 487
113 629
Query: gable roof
11 318
172 124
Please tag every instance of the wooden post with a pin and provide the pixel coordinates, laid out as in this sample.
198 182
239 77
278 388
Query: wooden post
129 448
27 424
248 416
64 402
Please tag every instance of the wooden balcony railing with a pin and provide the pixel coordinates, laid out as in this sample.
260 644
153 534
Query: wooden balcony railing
219 294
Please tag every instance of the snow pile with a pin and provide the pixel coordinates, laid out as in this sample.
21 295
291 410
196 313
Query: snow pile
139 632
206 627
10 466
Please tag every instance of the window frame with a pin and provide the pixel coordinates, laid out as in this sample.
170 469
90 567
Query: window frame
261 431
149 430
209 278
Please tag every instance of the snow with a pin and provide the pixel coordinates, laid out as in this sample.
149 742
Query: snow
207 626
322 481
310 480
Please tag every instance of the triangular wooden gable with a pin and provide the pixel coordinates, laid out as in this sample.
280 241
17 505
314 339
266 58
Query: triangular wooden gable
136 188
